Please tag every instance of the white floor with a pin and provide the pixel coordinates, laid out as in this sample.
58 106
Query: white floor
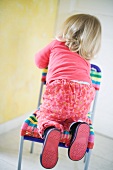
101 158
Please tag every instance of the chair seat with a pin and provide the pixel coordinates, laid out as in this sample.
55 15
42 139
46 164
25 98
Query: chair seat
30 129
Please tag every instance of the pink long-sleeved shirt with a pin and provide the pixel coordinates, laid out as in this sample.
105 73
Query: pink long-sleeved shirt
62 63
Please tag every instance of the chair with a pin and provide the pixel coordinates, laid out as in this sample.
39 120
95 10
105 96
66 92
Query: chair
29 128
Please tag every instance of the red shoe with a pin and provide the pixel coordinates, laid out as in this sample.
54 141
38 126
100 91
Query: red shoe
49 156
79 142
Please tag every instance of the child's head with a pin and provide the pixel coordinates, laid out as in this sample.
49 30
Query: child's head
82 34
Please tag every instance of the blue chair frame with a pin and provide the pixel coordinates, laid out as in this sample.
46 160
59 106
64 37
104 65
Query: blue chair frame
96 81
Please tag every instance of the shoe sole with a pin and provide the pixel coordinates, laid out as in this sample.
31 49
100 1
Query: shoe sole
79 142
49 156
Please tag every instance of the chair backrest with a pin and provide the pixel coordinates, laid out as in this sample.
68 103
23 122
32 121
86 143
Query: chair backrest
44 73
95 76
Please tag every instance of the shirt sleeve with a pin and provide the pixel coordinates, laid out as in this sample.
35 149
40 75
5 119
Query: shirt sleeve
42 57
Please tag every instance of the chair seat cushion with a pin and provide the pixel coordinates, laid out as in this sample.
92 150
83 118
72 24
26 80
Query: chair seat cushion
29 128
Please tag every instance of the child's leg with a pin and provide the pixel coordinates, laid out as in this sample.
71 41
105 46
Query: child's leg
53 111
80 131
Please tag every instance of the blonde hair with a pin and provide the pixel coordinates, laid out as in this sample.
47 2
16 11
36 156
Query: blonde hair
82 34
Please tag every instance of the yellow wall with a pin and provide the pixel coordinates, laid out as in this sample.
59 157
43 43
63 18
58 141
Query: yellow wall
26 26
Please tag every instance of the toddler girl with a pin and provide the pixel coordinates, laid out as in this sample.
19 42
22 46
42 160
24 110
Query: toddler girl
69 91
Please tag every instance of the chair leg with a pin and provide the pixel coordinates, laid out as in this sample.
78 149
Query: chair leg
32 146
87 159
20 152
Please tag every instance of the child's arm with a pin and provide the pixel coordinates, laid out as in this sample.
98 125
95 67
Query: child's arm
42 57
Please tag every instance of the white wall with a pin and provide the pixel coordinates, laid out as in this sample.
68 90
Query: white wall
103 9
